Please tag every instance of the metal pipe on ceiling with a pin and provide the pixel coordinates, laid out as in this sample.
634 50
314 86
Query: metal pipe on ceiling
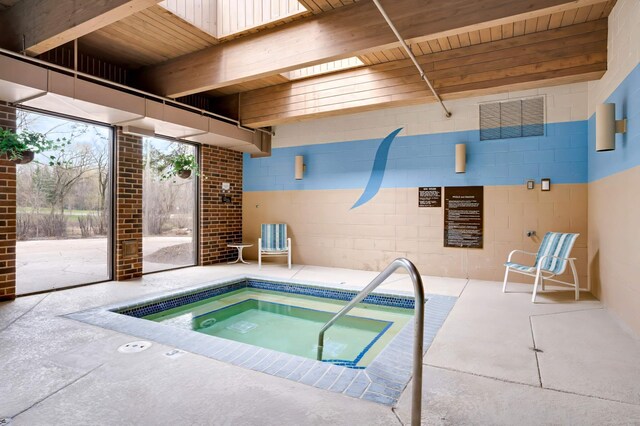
423 76
77 73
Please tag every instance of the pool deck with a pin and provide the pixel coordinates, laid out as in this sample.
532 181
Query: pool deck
480 369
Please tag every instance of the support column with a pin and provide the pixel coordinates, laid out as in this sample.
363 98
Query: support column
7 213
220 222
128 208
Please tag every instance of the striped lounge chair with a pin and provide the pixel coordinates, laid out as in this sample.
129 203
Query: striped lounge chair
274 242
551 260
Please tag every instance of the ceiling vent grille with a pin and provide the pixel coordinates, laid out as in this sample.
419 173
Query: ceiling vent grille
512 119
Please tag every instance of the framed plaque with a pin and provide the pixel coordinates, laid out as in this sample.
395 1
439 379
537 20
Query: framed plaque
430 196
463 216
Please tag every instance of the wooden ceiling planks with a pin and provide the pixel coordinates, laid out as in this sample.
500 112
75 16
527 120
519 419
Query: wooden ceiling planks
573 53
320 6
146 38
329 36
499 32
249 85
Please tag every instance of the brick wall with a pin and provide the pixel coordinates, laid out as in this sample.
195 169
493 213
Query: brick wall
7 213
220 223
128 208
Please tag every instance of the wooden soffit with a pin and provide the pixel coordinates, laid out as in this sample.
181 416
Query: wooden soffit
570 54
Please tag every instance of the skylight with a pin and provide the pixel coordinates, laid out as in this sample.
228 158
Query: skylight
225 18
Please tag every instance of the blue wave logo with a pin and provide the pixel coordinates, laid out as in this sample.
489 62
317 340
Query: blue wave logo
377 172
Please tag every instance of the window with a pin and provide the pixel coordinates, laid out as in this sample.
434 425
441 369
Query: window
512 119
64 195
169 208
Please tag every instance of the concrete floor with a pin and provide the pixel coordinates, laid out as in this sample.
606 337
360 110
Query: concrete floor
481 368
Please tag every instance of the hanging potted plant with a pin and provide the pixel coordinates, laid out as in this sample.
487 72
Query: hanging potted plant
181 165
22 147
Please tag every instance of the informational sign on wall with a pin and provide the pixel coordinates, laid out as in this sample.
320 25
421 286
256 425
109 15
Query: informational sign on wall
463 216
430 196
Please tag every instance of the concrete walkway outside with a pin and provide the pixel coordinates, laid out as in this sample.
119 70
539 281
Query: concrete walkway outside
481 368
52 264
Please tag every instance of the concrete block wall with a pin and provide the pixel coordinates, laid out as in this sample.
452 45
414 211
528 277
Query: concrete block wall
614 176
564 103
339 153
7 213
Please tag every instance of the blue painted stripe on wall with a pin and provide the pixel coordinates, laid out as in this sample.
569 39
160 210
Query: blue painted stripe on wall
627 153
428 160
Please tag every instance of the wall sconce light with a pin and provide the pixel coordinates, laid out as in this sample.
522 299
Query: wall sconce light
300 167
461 158
607 126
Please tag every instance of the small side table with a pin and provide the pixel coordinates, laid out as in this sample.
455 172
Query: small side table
239 247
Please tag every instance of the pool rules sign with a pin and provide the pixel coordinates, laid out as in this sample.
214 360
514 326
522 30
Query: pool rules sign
429 196
463 216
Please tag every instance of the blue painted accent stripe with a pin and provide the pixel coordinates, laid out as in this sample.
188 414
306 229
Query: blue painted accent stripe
428 160
377 172
627 153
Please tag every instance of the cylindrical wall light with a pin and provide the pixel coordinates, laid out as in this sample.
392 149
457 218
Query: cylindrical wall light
461 158
607 126
299 173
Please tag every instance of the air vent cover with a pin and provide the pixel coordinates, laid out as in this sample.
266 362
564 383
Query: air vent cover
512 119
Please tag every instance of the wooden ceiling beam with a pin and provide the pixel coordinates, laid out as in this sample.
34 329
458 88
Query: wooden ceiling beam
348 31
36 26
569 54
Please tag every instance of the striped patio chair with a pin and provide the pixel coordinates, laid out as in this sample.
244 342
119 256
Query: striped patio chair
551 260
273 241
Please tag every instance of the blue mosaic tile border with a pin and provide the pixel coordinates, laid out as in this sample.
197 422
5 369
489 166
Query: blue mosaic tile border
329 293
326 293
174 302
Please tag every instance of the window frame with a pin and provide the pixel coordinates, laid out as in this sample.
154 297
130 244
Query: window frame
196 213
113 164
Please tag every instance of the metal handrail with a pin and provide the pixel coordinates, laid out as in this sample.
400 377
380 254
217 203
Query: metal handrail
416 397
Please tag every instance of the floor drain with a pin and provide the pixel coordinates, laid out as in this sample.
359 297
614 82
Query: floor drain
134 347
174 353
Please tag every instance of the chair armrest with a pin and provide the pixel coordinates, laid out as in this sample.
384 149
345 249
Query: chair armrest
542 258
557 257
520 251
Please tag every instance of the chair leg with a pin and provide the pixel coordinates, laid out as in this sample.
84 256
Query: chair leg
575 278
535 287
259 253
542 283
506 275
289 251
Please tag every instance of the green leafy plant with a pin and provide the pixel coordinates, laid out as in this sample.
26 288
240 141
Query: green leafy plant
172 166
15 144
